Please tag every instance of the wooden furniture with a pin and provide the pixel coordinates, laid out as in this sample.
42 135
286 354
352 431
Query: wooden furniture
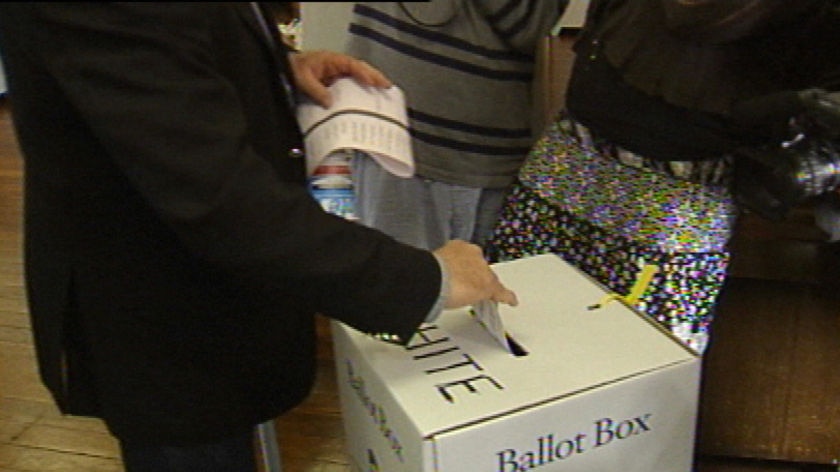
771 379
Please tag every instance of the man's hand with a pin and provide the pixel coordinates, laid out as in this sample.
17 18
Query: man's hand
470 277
315 70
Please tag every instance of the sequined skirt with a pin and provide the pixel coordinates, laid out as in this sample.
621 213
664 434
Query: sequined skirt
610 212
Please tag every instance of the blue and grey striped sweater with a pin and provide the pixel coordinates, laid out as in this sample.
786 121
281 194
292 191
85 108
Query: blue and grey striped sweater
466 67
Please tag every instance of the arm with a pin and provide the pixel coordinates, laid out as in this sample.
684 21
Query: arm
177 105
174 120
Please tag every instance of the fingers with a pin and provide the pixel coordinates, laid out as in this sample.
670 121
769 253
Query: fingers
506 296
314 88
471 277
309 76
315 70
369 75
500 293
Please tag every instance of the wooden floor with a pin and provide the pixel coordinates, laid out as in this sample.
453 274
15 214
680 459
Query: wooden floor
34 437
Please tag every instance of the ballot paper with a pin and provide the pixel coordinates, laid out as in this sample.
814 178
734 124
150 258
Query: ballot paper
486 312
361 118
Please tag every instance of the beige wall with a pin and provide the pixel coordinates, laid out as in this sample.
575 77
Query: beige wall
324 24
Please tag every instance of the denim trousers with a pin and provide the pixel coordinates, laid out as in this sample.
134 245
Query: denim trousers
421 212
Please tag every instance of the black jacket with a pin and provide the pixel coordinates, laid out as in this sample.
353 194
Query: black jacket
663 78
174 258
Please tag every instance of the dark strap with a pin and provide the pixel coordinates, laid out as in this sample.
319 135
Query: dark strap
638 122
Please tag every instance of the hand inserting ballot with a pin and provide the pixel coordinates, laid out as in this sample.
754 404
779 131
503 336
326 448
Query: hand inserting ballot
471 279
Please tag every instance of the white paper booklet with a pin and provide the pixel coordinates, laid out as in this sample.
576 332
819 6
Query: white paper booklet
362 118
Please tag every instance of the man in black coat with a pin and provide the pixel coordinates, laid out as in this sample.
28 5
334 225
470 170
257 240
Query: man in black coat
174 259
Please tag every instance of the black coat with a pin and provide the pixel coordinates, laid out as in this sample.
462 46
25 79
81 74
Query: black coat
174 258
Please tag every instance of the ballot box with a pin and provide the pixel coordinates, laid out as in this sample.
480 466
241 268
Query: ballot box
590 389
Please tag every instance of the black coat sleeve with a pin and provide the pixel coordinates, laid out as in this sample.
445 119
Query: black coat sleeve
150 85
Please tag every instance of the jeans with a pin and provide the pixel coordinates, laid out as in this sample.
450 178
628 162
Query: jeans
234 454
421 212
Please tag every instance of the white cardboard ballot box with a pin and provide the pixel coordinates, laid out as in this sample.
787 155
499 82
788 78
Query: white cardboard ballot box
600 390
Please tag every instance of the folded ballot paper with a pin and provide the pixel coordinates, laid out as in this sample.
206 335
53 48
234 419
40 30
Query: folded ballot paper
486 312
361 118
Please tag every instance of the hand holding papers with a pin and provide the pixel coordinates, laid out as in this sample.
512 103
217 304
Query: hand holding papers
363 118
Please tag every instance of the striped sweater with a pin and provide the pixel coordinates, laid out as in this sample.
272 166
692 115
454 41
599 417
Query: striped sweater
466 67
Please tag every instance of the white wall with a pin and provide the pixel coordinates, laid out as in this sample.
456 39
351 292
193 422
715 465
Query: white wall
574 15
324 24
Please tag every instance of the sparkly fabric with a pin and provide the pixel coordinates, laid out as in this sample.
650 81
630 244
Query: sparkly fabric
609 212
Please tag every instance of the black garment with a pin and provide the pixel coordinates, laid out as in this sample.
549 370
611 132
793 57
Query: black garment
598 97
710 54
234 454
661 77
174 258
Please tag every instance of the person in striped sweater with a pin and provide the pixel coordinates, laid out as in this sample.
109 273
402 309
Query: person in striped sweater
466 68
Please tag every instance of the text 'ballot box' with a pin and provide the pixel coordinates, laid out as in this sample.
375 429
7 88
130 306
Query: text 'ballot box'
598 390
